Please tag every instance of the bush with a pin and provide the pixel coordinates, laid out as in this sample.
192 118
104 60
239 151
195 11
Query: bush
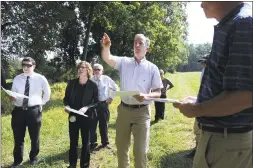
48 71
6 104
70 74
58 87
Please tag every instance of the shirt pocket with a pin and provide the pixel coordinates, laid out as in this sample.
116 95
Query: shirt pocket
144 83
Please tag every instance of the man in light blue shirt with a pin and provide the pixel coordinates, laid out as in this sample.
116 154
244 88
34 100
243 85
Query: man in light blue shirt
134 113
105 84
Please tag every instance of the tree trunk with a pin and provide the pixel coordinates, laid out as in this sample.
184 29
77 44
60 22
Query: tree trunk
87 33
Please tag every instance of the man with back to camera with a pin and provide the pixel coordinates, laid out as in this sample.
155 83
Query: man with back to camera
224 103
28 112
136 74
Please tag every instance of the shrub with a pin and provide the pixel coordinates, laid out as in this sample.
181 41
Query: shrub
58 87
6 104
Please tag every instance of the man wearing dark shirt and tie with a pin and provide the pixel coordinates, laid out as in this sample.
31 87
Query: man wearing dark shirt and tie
160 106
27 112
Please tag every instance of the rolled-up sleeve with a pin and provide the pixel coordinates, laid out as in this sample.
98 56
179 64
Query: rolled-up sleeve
113 86
156 79
119 63
238 70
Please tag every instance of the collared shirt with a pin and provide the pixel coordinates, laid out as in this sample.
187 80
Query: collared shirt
38 85
104 83
134 76
229 66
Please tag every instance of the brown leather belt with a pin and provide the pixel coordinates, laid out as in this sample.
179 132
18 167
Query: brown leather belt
133 105
222 130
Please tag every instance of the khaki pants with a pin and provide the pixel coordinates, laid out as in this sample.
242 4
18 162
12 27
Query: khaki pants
196 131
220 150
136 121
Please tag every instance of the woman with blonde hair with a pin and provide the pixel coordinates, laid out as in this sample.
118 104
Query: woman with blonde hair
80 92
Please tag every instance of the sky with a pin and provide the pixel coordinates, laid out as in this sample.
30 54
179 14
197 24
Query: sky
200 28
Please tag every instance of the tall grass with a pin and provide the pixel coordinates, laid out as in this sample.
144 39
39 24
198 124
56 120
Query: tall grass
170 139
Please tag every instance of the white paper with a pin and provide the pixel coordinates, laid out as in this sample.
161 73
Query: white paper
125 93
14 94
86 108
75 111
164 100
191 99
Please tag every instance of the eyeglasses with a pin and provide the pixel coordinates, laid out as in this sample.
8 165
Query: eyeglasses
27 65
97 69
82 67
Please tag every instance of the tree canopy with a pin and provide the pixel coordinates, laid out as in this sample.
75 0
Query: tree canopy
34 28
195 52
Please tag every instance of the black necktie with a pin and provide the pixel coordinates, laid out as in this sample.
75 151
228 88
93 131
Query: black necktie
25 100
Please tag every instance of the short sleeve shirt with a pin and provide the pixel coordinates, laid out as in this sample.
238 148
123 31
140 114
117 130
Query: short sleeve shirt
134 76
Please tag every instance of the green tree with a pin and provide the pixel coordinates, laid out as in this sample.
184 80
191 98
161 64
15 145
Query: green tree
196 51
37 27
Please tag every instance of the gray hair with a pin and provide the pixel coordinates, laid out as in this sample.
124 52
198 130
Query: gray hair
146 39
161 71
98 66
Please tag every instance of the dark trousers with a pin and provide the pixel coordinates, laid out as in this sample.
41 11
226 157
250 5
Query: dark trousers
159 109
21 119
103 116
83 124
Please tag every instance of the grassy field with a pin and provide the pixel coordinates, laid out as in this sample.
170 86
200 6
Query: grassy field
170 139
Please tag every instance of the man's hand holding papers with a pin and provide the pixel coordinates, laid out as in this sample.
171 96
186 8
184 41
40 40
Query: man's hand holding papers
14 95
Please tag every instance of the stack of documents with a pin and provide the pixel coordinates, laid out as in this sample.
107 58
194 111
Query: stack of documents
132 93
164 100
124 93
14 94
75 111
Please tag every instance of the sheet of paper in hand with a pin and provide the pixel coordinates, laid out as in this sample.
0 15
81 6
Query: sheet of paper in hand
125 93
14 94
75 111
192 99
164 100
85 108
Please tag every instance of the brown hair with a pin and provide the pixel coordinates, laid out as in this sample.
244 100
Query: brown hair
29 59
88 66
